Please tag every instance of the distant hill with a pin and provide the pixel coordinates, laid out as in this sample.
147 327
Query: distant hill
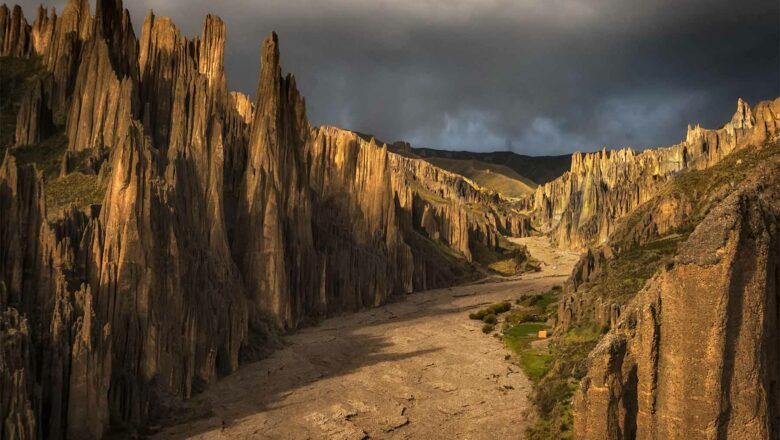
527 171
499 178
537 169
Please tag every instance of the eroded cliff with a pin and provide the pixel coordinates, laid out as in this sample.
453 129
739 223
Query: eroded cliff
585 205
694 355
218 220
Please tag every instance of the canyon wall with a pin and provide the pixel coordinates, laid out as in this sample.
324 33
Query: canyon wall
222 219
584 206
694 354
691 352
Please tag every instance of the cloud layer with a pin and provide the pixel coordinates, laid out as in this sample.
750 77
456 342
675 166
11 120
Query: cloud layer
534 76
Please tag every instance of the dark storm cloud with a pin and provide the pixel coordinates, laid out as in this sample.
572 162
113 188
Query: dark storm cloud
537 76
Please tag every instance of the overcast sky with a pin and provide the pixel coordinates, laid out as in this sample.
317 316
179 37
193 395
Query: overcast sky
533 76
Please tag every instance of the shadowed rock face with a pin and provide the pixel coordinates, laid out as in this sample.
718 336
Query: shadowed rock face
222 218
694 355
585 205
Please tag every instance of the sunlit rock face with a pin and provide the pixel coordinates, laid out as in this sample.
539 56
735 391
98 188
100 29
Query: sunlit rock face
584 206
222 218
673 208
694 354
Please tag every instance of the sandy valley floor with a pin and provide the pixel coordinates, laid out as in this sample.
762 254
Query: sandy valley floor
418 369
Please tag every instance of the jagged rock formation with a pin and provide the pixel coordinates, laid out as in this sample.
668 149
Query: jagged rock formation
695 353
647 238
14 33
221 219
584 206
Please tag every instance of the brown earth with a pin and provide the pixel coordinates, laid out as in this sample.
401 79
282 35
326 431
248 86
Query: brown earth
418 368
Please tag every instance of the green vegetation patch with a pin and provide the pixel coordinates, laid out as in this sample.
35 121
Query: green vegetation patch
525 329
732 170
554 367
627 273
535 361
491 310
553 392
533 308
521 328
76 189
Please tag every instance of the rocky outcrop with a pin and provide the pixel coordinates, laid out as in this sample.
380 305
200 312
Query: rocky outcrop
103 99
645 239
694 354
57 41
355 255
35 121
16 366
221 220
47 332
14 33
584 206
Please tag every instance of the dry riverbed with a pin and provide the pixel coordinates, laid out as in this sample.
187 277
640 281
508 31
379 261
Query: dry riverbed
418 368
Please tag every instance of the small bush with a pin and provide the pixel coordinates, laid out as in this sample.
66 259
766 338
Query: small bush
550 393
493 309
478 315
499 308
487 328
490 319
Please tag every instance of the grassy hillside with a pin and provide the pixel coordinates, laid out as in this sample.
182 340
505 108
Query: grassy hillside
499 178
536 169
516 171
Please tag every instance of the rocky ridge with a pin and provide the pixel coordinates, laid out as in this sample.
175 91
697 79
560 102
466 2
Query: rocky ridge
687 353
221 220
660 373
585 205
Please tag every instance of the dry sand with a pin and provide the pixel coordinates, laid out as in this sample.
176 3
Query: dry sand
417 369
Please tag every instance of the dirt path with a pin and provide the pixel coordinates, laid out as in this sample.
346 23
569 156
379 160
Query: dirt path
414 369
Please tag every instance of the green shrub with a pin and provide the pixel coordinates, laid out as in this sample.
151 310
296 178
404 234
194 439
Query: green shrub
499 308
487 328
490 318
550 393
493 309
554 391
478 315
